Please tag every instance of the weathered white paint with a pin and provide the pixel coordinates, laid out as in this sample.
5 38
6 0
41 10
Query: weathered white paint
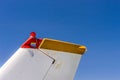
37 64
26 64
65 65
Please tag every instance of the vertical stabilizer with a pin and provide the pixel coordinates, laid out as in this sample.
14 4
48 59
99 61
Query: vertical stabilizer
43 59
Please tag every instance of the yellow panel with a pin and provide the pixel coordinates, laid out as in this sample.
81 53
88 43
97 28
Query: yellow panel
62 46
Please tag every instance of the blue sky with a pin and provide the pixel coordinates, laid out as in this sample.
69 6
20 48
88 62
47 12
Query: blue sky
93 23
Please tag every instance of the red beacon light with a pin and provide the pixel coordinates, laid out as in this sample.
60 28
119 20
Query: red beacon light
32 41
33 34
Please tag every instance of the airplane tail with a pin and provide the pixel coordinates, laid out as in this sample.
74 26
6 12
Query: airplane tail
43 59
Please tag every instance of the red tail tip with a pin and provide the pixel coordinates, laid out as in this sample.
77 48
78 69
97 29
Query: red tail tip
33 34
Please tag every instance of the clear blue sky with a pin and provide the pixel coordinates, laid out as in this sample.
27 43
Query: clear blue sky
94 23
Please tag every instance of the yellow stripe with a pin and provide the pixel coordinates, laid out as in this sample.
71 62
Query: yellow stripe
62 46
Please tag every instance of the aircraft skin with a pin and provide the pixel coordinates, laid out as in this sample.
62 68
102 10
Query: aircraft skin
43 59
